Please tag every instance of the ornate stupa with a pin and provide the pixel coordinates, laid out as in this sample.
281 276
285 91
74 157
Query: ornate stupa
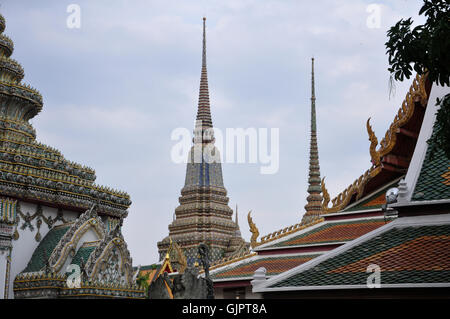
203 215
52 214
314 200
35 171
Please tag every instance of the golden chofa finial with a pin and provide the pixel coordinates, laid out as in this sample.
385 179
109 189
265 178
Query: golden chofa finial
254 230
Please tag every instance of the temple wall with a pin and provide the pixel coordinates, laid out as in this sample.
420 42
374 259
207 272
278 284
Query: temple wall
24 247
252 295
236 293
3 256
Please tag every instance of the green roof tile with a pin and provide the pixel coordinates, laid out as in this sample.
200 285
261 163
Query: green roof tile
430 185
45 249
83 252
415 268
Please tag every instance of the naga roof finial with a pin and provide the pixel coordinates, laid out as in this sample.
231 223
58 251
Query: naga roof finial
254 230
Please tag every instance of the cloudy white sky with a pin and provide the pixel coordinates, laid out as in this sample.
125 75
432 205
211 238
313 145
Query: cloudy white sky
116 88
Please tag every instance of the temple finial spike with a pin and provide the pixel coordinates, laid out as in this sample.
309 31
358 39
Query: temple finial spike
313 95
314 200
204 43
203 120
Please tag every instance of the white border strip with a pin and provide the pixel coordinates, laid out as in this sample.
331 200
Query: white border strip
405 285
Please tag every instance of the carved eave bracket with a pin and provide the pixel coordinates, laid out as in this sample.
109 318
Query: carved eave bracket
416 94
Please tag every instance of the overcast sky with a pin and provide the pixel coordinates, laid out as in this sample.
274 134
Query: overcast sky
115 88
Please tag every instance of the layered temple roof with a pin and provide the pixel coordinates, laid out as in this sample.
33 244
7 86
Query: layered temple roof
33 171
355 212
389 162
369 206
330 232
245 268
413 251
294 249
203 215
406 255
281 251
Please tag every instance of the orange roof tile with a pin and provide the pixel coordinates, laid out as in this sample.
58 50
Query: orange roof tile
433 251
334 232
273 265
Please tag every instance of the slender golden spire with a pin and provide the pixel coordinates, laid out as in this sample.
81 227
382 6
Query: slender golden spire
314 206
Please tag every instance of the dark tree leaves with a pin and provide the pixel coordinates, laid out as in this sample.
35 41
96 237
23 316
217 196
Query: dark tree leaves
422 49
441 138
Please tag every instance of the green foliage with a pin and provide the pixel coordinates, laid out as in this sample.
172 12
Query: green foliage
425 49
142 281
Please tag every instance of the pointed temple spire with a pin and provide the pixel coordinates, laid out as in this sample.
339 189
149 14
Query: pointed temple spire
203 120
314 206
203 215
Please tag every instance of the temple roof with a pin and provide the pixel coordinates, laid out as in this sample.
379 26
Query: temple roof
395 149
274 264
410 250
434 178
328 232
358 210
